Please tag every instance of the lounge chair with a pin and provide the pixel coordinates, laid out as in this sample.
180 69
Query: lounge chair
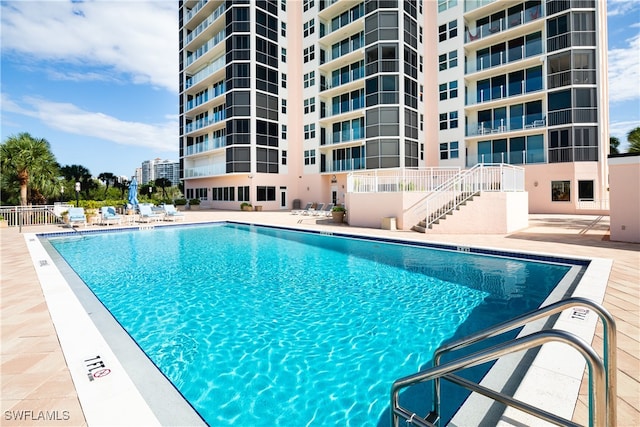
326 211
146 215
109 216
77 216
312 211
300 211
172 214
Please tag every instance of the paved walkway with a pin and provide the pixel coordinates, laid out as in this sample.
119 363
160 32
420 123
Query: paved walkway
37 388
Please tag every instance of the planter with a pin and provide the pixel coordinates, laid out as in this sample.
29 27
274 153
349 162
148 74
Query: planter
258 208
337 217
194 207
247 208
180 207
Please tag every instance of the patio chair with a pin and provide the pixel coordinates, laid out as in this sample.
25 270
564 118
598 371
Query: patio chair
312 211
147 215
172 214
77 216
326 211
300 211
109 216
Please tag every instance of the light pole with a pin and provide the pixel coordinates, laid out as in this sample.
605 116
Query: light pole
61 193
77 194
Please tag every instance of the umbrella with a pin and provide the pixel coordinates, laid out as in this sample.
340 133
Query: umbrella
133 193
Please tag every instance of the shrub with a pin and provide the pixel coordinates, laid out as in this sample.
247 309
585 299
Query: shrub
194 201
338 209
180 202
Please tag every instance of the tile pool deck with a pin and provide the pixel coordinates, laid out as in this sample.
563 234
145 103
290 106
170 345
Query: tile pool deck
36 383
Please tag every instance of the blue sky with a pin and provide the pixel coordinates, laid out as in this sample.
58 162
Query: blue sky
99 79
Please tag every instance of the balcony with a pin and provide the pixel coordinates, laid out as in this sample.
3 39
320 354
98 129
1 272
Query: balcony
217 117
205 24
207 145
217 64
511 157
493 27
344 165
532 121
203 171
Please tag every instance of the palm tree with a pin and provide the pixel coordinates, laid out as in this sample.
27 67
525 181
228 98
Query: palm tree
163 183
614 143
80 174
29 162
634 140
108 178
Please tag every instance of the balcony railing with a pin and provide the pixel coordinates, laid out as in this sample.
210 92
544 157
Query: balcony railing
344 136
530 14
207 145
214 66
210 44
509 157
195 9
486 128
207 95
344 165
209 170
399 180
205 24
218 116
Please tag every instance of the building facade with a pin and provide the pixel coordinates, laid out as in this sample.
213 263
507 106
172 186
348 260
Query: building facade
152 170
280 100
530 80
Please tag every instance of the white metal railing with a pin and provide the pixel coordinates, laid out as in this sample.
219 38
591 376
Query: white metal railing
481 177
208 170
593 204
399 180
18 216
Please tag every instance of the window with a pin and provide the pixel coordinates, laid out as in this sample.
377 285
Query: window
446 4
310 131
309 105
284 157
283 132
284 106
243 194
284 80
585 190
265 194
452 60
310 79
453 119
307 4
449 150
560 191
223 193
283 29
448 90
283 54
308 28
449 30
309 157
309 54
443 121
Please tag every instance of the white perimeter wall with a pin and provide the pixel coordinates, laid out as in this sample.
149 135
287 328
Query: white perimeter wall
624 202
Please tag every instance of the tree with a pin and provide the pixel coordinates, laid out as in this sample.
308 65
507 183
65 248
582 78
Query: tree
108 178
29 163
614 143
634 140
163 183
78 173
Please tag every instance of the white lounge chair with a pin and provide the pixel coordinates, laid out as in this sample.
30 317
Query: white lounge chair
326 211
312 211
172 214
300 211
146 215
77 216
109 216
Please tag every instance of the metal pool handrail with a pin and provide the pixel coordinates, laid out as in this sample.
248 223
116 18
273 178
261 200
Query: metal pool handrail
608 363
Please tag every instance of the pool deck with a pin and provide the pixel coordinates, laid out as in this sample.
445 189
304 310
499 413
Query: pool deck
36 384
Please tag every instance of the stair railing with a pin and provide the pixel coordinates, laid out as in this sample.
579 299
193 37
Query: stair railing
602 373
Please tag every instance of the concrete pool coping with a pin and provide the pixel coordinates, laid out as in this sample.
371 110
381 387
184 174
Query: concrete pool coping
170 409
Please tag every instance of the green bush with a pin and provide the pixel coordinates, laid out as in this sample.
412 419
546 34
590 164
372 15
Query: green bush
194 201
180 202
338 209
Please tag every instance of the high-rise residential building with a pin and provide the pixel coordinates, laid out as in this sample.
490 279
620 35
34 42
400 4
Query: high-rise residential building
152 170
281 100
525 83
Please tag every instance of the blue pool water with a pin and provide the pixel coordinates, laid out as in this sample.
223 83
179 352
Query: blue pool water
270 327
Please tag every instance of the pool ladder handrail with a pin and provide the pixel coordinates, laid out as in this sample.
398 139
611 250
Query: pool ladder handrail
602 373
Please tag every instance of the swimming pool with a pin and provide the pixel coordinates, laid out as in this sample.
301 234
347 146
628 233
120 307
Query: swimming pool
274 326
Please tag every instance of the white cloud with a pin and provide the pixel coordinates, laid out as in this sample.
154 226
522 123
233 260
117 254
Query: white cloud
624 71
621 129
137 38
69 118
620 7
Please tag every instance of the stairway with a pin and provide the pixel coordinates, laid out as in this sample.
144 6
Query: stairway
449 209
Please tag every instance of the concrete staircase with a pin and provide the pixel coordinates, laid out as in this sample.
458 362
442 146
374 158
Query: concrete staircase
450 208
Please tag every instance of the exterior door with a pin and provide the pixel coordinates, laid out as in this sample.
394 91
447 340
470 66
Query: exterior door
283 197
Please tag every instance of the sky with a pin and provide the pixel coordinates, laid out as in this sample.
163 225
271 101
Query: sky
99 79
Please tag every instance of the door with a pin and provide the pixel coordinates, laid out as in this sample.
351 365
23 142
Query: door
283 197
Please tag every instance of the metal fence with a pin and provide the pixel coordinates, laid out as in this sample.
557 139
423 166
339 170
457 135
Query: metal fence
19 216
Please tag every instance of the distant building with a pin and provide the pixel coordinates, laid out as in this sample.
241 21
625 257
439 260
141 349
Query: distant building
155 169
